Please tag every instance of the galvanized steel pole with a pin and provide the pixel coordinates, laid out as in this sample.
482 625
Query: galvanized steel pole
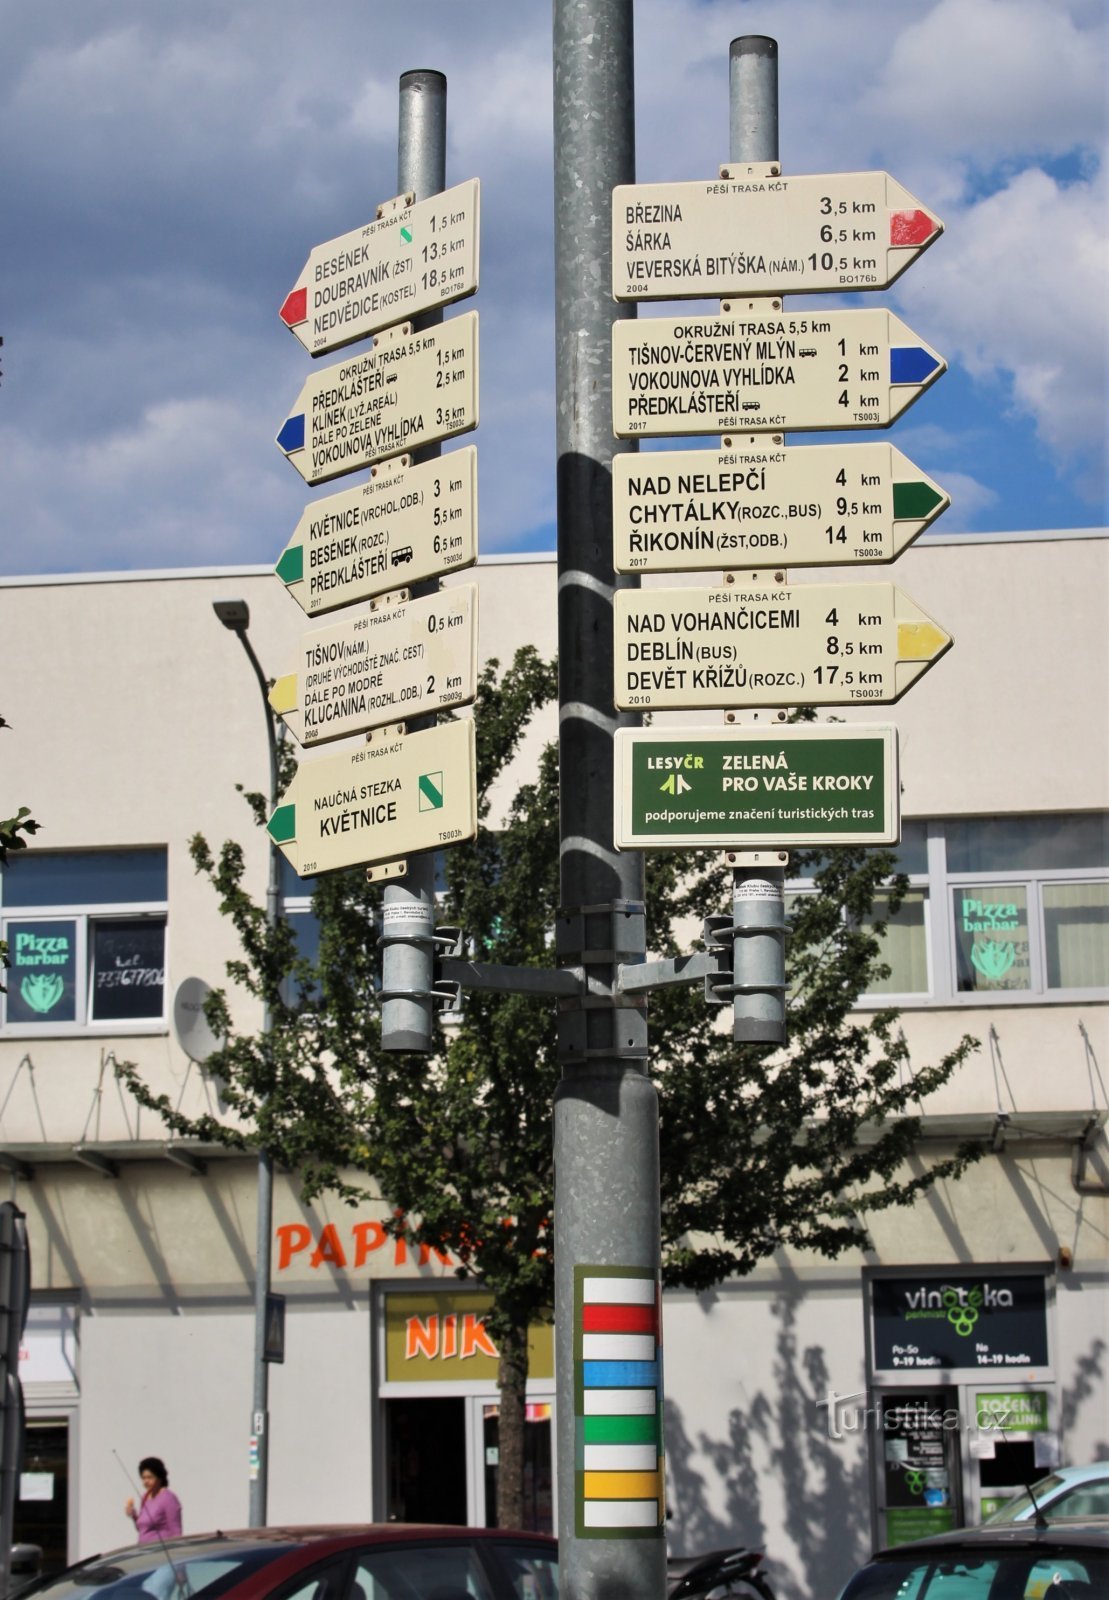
606 1109
408 913
758 890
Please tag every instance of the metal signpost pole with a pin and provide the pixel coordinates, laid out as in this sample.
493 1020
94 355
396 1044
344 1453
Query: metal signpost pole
408 912
758 891
607 1227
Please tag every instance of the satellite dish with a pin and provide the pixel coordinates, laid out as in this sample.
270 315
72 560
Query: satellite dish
191 1027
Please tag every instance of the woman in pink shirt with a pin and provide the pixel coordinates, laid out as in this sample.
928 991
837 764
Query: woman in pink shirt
158 1514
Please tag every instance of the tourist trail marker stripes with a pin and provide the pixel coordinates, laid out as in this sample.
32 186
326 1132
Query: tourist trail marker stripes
812 785
381 802
759 371
414 257
619 1476
758 233
404 525
752 504
761 643
381 662
411 389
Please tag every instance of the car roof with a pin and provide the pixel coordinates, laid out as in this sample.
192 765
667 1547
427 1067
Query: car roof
1062 1533
1071 1475
341 1532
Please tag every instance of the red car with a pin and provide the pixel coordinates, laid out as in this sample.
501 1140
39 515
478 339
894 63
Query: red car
389 1561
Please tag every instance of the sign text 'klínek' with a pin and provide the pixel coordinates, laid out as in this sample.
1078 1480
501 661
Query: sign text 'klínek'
404 525
762 505
413 258
382 802
382 662
765 370
758 233
759 643
750 787
411 389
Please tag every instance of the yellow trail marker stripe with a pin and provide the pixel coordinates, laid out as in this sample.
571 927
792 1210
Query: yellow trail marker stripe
283 695
920 641
622 1485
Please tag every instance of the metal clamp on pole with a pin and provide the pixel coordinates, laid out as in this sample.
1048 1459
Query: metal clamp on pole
602 1021
410 944
758 931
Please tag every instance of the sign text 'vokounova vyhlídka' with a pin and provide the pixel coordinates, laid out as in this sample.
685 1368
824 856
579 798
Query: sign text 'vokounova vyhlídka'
763 370
410 389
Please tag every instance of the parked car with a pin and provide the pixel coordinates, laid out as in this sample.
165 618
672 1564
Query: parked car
1066 1492
1023 1561
389 1561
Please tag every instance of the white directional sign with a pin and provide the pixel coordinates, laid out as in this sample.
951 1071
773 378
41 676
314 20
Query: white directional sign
405 524
381 663
756 234
758 643
413 258
763 371
763 505
409 390
381 802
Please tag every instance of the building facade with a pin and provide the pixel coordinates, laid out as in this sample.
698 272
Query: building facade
813 1408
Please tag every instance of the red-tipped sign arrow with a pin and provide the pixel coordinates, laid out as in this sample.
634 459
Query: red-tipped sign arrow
912 227
295 309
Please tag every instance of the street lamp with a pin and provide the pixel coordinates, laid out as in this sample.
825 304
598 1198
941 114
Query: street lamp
235 615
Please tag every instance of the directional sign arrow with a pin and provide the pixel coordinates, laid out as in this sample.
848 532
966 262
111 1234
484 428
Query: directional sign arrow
758 233
414 257
409 390
758 643
762 371
758 505
404 525
381 802
806 786
381 663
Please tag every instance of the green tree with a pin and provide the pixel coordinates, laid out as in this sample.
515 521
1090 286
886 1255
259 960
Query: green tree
760 1148
12 831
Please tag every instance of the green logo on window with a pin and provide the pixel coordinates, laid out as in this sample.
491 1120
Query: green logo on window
993 959
42 991
962 1309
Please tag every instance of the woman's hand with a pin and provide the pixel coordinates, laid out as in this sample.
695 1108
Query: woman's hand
129 1508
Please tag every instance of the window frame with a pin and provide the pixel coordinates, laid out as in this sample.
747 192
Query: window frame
938 886
86 916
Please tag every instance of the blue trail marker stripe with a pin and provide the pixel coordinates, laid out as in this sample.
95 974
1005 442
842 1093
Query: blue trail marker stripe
291 436
620 1374
911 364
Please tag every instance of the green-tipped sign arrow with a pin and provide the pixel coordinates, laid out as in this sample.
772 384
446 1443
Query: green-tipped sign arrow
358 807
759 505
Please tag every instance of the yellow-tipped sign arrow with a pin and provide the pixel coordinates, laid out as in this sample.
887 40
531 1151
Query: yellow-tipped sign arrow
760 643
382 662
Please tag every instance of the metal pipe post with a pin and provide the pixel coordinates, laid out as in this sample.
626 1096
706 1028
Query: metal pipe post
408 912
606 1109
758 892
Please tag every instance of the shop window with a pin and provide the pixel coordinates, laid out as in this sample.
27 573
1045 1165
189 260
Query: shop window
1000 910
86 935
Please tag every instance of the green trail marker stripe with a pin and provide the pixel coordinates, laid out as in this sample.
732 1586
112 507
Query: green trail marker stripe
282 826
430 792
406 235
290 567
621 1430
912 501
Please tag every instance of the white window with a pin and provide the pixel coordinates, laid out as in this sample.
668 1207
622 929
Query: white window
86 936
1000 910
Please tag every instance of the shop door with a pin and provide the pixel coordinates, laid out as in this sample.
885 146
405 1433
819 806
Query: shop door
425 1460
538 1514
919 1480
42 1499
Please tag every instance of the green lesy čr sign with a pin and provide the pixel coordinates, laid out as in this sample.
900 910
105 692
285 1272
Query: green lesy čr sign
745 788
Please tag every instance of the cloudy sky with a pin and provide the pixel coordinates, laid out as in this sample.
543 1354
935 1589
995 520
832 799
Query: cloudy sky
169 164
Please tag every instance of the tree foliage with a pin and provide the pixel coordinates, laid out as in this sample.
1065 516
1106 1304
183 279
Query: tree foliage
760 1148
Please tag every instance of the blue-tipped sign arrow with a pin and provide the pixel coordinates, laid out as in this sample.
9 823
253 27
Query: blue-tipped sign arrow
912 364
291 437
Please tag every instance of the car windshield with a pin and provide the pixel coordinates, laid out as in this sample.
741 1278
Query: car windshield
1013 1510
165 1571
962 1575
